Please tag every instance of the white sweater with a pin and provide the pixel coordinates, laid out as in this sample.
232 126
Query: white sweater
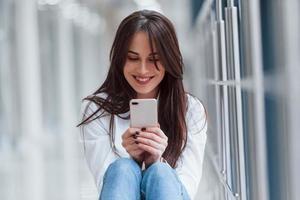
99 154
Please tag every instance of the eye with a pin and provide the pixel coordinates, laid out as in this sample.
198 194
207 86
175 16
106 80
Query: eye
153 59
132 58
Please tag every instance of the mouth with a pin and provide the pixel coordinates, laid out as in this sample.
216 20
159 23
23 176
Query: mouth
143 80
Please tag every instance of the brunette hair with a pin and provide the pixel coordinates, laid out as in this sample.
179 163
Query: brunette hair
172 104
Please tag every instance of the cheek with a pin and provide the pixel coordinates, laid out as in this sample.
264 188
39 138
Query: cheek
126 69
161 72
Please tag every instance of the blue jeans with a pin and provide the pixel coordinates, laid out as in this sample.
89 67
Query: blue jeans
124 180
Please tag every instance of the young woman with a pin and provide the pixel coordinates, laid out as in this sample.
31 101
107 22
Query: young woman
162 162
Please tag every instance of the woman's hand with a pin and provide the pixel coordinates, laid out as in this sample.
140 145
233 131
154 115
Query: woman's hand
131 145
153 141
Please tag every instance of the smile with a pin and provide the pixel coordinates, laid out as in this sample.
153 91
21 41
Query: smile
143 80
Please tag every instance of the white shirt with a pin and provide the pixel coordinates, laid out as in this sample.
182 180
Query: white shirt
99 154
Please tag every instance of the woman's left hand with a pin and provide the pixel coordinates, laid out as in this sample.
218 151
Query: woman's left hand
153 141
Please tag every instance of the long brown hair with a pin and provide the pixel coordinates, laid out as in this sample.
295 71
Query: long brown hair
172 97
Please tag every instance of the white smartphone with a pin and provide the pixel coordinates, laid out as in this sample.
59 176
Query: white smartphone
143 113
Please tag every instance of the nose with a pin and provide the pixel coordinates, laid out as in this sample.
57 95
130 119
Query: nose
143 68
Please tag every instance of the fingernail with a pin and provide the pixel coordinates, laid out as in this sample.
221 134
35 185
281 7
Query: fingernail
137 132
136 142
143 129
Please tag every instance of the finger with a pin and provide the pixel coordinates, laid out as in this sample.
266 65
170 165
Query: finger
132 147
157 131
138 151
154 137
129 132
129 141
151 150
151 143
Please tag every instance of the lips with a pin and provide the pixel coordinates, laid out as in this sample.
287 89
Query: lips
143 79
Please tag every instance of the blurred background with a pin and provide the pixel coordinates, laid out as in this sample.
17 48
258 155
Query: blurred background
241 59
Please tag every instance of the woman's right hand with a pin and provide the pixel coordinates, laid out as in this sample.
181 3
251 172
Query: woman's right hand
131 145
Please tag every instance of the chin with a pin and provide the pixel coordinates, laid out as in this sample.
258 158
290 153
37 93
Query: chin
144 92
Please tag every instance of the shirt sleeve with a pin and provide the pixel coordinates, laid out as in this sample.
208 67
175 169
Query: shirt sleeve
189 168
96 142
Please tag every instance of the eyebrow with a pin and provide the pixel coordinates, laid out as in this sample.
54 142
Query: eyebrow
151 54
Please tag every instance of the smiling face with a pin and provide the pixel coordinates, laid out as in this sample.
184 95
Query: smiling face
140 70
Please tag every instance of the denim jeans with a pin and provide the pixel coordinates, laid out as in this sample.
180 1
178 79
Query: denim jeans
124 180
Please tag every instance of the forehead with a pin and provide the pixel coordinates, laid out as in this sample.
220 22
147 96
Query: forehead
140 43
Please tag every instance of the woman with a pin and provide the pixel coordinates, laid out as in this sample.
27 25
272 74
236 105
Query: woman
162 162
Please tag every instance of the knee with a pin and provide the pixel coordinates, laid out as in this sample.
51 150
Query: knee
124 166
159 170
